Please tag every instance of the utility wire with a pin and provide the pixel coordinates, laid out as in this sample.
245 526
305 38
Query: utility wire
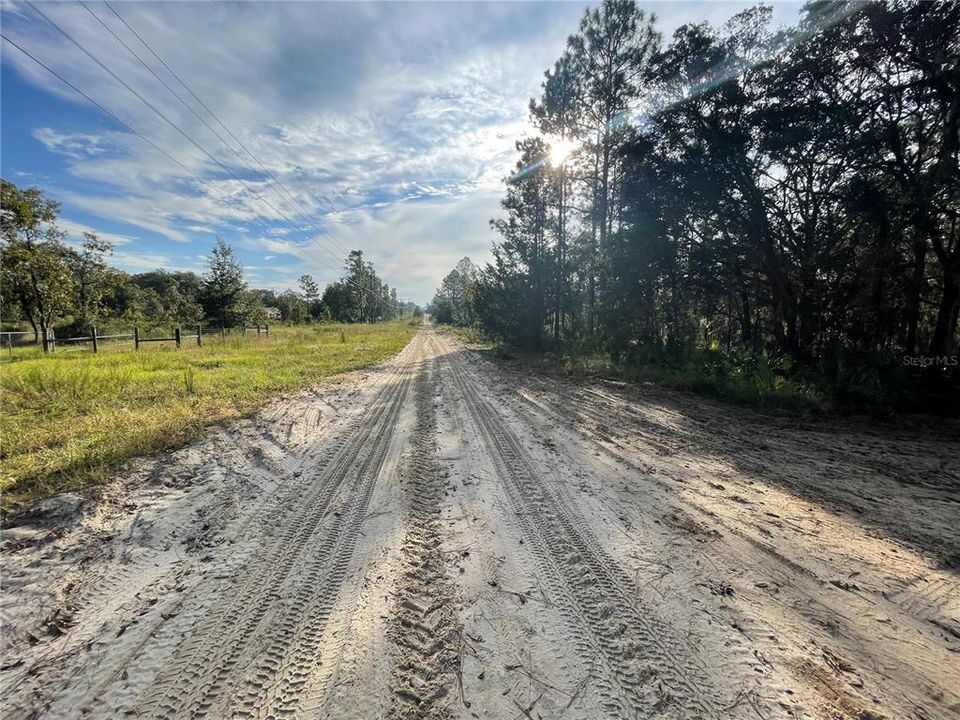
212 114
164 82
99 106
120 122
322 230
274 179
154 109
172 124
185 104
166 119
106 111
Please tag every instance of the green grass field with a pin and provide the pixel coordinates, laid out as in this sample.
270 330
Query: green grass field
67 420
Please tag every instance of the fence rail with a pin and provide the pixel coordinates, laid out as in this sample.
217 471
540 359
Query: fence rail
50 342
6 339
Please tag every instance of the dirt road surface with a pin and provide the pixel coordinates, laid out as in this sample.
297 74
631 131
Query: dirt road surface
445 537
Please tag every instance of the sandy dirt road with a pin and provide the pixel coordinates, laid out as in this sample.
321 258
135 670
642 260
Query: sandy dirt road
445 537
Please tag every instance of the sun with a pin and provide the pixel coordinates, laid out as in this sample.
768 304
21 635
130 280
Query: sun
560 150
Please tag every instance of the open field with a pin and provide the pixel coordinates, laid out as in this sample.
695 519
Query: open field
442 536
69 418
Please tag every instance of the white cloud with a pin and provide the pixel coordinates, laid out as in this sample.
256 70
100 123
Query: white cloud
413 245
75 145
75 231
135 262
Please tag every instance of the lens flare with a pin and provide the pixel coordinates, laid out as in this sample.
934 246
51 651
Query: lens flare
560 150
816 22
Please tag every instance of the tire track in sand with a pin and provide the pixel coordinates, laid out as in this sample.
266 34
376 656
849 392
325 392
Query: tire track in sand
255 650
424 628
649 670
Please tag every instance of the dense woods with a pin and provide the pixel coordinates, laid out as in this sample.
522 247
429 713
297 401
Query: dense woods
775 201
47 284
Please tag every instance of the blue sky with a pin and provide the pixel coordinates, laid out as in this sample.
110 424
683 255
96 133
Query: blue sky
391 124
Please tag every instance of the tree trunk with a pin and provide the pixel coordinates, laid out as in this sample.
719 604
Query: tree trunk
746 320
33 324
915 289
44 333
561 242
539 303
44 314
604 220
944 332
758 230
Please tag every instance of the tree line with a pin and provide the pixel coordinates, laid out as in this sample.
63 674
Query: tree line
791 194
46 284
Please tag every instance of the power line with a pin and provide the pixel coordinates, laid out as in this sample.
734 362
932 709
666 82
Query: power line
158 112
99 106
152 107
215 117
196 114
105 110
172 124
153 72
322 230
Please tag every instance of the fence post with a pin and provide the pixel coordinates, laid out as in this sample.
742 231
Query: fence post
53 340
93 336
10 345
176 337
266 329
258 328
199 335
243 329
223 333
136 338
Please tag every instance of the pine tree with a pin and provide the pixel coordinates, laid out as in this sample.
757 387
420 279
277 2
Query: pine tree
224 288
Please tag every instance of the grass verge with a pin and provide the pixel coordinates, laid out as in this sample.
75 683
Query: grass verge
68 420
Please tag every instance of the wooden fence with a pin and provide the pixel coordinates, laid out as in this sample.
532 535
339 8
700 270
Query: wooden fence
7 341
50 342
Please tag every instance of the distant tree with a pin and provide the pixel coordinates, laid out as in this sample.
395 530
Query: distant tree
189 290
362 282
293 308
558 115
225 296
44 281
310 291
453 303
33 260
523 252
338 298
308 288
267 298
361 296
609 55
178 296
91 273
